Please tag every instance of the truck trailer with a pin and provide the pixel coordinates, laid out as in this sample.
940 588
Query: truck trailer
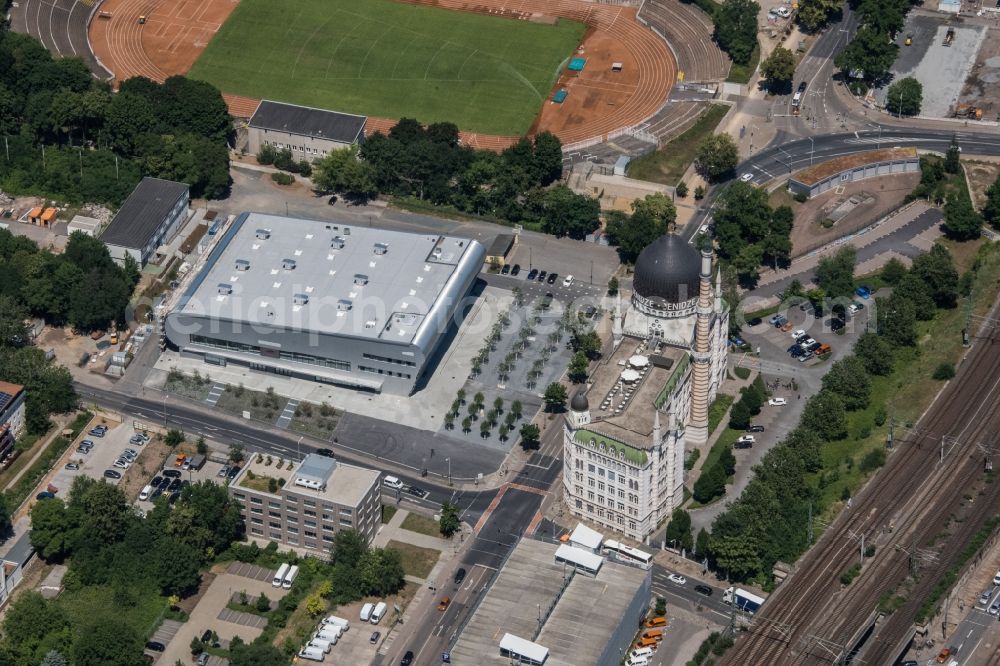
743 600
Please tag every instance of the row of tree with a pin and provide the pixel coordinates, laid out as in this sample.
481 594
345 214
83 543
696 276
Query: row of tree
109 545
431 164
872 51
735 26
769 521
67 136
748 232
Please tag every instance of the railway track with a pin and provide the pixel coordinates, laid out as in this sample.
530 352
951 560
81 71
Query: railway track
810 617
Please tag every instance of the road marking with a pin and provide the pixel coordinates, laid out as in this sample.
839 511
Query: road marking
528 489
489 509
533 525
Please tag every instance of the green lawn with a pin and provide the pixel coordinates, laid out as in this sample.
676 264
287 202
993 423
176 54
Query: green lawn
417 561
391 59
421 524
132 605
668 164
718 409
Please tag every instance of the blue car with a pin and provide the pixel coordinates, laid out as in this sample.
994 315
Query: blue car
864 292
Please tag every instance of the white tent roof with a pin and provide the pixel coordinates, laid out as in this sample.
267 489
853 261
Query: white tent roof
525 648
586 537
579 557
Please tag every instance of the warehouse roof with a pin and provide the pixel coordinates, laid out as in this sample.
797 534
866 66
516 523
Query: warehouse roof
307 121
333 278
143 213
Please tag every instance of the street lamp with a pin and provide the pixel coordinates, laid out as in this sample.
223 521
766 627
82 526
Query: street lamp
448 460
812 147
164 410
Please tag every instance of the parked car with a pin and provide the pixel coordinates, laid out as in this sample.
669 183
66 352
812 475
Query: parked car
375 636
743 444
798 334
754 322
505 270
805 357
542 275
746 439
222 472
233 471
678 579
174 485
797 351
515 270
552 278
96 433
72 466
996 579
855 307
984 598
44 495
864 292
787 326
995 608
568 281
837 324
171 473
755 428
112 474
122 464
814 346
532 274
155 646
777 402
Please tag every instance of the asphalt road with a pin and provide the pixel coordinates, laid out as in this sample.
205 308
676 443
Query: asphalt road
782 159
686 597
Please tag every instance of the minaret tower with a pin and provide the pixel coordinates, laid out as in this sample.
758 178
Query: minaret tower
701 355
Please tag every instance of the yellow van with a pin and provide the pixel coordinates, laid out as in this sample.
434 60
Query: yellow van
657 622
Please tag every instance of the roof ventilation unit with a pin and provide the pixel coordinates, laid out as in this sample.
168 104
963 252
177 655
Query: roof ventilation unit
344 304
242 265
288 264
300 299
437 251
347 231
337 243
263 234
225 289
360 279
381 248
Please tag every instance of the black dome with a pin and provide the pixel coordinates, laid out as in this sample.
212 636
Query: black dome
579 403
668 269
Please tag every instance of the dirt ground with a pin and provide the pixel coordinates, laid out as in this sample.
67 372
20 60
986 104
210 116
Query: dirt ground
69 348
981 175
878 197
982 87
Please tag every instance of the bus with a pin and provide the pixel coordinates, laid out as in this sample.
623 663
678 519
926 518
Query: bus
622 553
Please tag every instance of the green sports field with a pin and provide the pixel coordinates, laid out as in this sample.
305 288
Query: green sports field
390 59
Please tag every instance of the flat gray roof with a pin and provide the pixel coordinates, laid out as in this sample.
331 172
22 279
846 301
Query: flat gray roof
317 467
143 212
332 277
345 484
579 627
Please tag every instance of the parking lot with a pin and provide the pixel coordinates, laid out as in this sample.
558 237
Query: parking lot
100 458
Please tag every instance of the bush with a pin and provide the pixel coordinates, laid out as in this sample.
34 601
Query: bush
266 155
944 371
283 178
801 197
682 189
872 460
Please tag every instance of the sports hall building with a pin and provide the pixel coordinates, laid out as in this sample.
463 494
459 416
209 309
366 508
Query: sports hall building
358 307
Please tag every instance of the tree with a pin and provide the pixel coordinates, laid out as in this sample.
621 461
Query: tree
107 642
449 522
235 456
566 213
176 567
13 330
826 415
991 211
870 54
381 571
737 556
529 436
681 189
897 319
702 544
54 658
835 274
679 530
711 484
849 379
613 286
52 530
255 654
911 288
904 97
588 342
28 623
936 269
555 397
739 416
893 271
717 156
736 29
814 14
579 365
174 438
952 158
315 605
875 353
548 158
349 547
779 67
343 171
961 221
263 604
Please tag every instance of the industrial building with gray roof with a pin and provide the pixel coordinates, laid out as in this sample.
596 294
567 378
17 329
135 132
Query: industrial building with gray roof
326 301
565 614
150 216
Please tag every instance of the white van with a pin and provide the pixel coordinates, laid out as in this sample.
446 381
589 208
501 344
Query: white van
638 661
279 577
639 653
331 634
320 644
378 612
290 577
392 482
311 653
145 493
339 621
366 612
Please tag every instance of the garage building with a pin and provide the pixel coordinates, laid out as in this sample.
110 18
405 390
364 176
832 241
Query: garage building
150 217
358 307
